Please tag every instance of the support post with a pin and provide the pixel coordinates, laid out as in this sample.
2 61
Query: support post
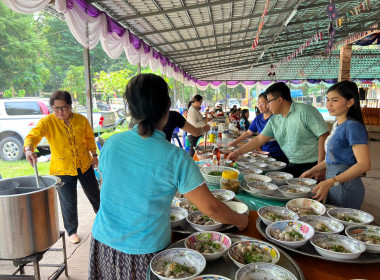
139 68
175 95
345 63
87 80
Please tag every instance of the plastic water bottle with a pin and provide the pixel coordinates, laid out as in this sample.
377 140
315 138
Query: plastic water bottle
214 160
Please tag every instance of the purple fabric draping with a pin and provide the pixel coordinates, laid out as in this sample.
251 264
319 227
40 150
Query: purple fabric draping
202 83
156 54
282 81
296 81
232 83
88 8
311 81
249 83
216 83
146 48
331 81
113 26
135 41
265 82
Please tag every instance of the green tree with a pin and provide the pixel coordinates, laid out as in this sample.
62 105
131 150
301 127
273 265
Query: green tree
75 84
21 51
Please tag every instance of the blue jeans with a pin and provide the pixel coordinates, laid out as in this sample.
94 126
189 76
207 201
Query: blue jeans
68 197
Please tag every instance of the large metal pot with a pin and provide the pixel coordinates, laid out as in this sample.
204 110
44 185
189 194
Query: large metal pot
28 215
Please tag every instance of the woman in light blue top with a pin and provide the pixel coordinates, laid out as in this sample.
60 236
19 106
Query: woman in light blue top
347 153
141 173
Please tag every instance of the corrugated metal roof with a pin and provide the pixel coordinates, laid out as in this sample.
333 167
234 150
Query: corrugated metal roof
212 39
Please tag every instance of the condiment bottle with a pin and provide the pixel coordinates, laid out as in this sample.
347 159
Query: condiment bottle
230 181
214 160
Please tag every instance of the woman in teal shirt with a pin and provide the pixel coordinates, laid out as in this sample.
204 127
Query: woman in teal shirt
141 173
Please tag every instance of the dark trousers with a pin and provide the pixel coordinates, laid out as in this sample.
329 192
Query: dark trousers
68 197
298 169
193 143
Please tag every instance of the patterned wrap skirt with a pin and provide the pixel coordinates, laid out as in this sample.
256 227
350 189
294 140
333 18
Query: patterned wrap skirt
349 194
106 263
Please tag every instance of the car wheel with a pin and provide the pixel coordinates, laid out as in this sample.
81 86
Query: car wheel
11 149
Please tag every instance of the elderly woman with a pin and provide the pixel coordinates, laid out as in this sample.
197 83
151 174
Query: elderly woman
73 155
141 173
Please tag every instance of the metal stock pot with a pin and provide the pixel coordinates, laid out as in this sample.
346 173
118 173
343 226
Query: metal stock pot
28 215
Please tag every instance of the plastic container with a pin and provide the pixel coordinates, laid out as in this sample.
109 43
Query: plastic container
230 181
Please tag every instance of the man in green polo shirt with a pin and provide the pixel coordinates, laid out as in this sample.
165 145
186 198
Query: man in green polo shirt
298 128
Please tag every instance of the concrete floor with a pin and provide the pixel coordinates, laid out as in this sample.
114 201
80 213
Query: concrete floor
78 254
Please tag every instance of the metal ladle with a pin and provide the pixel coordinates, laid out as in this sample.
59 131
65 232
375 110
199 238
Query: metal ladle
36 172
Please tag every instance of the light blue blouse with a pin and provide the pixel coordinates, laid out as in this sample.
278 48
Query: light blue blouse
140 178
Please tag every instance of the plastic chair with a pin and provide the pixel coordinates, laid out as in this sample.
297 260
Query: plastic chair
175 136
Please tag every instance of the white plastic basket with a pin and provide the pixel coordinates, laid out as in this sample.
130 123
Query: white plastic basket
211 179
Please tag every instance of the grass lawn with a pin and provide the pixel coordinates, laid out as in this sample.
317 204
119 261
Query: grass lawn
10 169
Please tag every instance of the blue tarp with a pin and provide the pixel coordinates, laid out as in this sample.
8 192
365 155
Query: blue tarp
296 92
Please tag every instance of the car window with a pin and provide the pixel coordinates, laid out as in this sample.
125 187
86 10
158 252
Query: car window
22 108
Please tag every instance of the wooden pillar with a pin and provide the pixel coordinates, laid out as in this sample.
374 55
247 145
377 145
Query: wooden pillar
175 95
139 68
87 81
345 63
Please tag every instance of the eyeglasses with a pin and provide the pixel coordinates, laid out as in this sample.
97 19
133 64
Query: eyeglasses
63 108
269 101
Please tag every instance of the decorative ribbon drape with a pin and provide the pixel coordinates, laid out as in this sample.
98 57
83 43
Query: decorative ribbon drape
82 18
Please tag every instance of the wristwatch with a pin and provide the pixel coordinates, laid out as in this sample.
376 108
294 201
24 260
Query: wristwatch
336 183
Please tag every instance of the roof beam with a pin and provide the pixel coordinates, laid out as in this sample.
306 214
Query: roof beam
176 10
280 11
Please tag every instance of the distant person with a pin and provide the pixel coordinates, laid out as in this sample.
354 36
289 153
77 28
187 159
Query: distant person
184 113
234 118
195 118
73 157
347 151
177 120
299 129
258 125
244 122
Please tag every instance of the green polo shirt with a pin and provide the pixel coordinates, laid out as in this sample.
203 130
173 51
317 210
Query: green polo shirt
298 133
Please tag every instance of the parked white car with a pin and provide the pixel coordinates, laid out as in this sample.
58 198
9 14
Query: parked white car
17 117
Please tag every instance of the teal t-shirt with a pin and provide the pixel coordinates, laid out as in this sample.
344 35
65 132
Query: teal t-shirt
298 133
140 178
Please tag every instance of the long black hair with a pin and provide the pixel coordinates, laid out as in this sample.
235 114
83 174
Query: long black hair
195 98
149 101
243 112
349 90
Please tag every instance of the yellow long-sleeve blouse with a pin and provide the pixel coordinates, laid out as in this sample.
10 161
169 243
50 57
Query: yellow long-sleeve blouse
70 145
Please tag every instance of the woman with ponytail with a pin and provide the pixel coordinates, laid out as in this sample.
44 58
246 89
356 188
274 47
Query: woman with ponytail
347 151
195 118
141 172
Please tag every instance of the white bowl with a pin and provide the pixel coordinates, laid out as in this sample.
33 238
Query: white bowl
263 271
251 170
279 182
302 182
179 214
333 225
364 217
267 247
254 187
302 191
209 235
266 160
259 165
276 165
286 213
356 247
226 195
198 227
303 228
183 256
358 231
257 178
238 207
210 277
298 204
188 206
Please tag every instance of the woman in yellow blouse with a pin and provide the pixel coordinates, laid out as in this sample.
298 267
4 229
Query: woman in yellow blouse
73 156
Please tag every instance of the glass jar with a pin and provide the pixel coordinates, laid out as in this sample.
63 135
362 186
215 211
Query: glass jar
230 181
